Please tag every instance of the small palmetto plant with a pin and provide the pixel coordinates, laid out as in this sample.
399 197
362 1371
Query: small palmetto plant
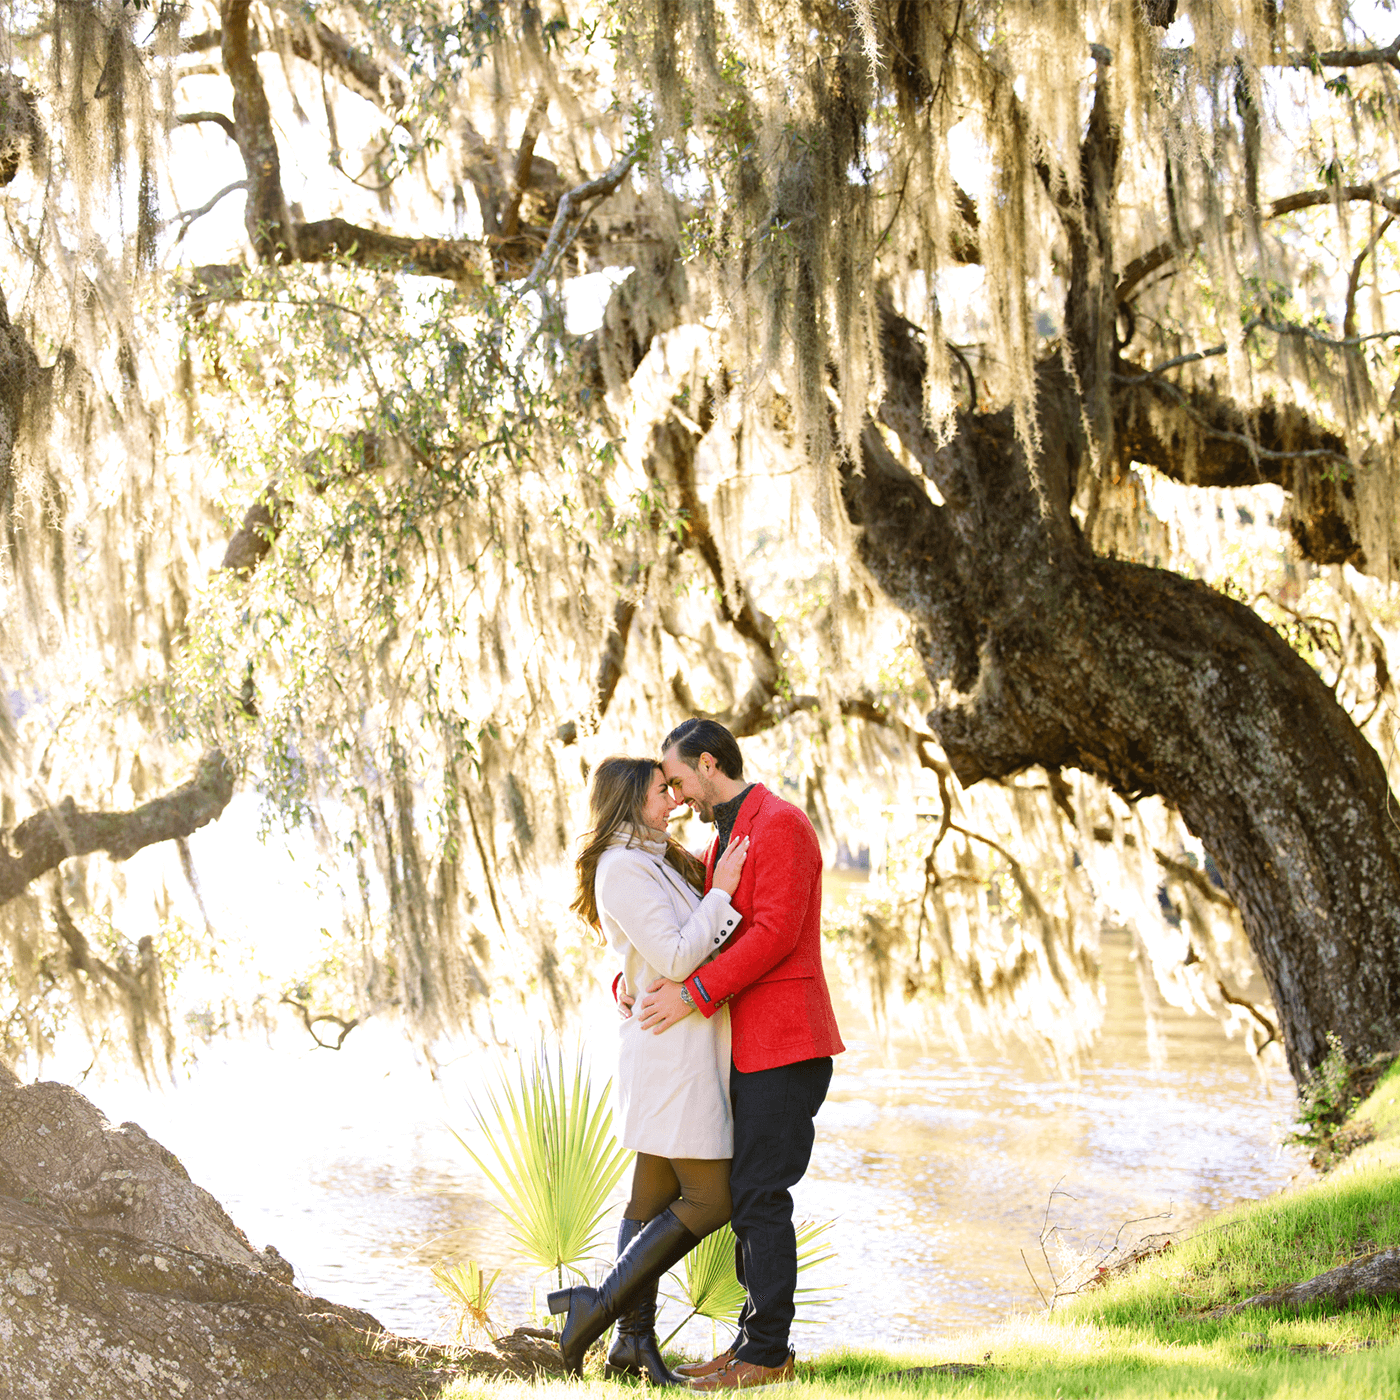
556 1160
469 1290
711 1288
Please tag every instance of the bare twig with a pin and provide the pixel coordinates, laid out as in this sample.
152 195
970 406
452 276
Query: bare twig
1046 1231
1138 1220
1034 1282
312 1022
187 216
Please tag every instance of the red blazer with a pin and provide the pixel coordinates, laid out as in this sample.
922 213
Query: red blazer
769 970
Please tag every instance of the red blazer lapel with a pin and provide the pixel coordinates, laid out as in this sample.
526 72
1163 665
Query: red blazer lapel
743 825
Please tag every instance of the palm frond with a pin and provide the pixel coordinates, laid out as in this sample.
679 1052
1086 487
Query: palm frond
556 1161
711 1288
469 1291
813 1249
711 1285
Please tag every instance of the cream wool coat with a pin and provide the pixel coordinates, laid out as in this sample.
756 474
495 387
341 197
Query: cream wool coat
671 1094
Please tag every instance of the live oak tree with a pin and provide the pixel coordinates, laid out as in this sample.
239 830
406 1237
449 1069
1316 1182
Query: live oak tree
904 302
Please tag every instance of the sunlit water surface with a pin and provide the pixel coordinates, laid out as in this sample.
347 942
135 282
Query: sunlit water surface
938 1172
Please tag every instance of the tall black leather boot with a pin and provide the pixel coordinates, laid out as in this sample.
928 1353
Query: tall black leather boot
655 1247
634 1350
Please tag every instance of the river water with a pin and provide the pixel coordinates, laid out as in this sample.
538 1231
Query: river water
937 1170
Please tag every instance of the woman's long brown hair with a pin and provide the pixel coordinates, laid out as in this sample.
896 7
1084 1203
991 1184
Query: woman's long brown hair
616 799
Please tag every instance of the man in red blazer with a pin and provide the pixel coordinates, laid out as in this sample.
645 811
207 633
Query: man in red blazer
769 971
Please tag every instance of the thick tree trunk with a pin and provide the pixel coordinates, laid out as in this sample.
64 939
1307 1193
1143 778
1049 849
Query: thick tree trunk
1042 653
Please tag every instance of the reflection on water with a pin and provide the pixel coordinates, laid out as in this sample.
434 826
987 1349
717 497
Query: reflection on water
346 1163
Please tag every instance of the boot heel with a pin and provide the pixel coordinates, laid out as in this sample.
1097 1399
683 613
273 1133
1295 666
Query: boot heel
558 1303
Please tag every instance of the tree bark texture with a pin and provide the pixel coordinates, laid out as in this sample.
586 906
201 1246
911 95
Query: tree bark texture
19 374
1375 1275
1338 510
1042 653
43 841
265 213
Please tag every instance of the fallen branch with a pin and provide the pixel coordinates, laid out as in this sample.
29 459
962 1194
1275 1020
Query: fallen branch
1375 1275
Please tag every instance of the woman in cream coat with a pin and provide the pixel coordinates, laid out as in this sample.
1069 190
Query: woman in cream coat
641 890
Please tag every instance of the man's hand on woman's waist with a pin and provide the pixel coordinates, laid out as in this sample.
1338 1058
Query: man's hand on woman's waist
665 1003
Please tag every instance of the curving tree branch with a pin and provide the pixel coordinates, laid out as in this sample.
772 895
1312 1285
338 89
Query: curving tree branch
318 43
311 1022
45 840
187 216
1354 279
524 160
1348 58
1164 253
218 118
335 240
277 237
1201 437
573 210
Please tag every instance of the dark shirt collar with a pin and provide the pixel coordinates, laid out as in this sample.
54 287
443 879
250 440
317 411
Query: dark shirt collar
726 814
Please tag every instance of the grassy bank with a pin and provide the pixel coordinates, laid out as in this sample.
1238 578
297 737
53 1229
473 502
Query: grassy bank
1145 1333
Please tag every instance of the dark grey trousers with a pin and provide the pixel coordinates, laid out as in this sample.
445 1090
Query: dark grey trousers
773 1136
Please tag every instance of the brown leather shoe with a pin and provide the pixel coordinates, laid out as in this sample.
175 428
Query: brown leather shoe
743 1375
692 1369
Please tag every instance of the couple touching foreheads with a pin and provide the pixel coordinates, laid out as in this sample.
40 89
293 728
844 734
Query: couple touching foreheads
717 1106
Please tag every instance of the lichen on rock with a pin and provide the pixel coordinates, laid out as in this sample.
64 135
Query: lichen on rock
121 1278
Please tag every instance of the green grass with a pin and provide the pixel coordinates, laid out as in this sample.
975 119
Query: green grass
1143 1334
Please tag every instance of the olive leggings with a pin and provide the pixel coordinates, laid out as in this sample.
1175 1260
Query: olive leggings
695 1188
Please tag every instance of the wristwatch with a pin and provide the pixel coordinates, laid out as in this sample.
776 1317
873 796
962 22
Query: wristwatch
685 995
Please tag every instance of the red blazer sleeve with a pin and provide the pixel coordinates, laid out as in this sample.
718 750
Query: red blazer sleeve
785 862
